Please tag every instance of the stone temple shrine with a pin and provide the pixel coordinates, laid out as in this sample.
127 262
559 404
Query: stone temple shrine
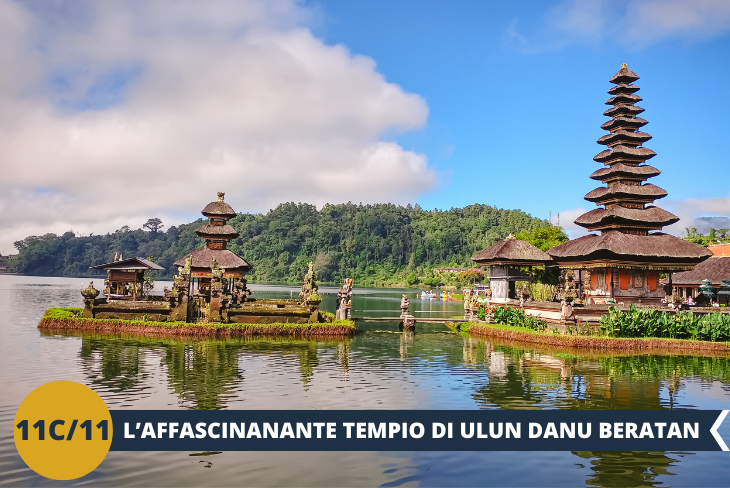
626 251
210 285
505 260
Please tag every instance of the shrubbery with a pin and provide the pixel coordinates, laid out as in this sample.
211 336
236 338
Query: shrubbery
510 316
653 323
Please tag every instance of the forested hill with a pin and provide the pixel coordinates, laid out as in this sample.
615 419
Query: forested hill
374 244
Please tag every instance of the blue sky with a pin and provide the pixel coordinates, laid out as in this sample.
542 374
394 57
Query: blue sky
116 112
515 104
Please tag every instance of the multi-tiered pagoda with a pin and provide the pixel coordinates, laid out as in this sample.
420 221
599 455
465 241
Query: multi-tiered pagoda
206 263
623 261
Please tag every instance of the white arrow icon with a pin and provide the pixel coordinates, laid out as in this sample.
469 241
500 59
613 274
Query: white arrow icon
716 426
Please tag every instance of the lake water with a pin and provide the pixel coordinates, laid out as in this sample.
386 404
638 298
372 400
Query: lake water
379 368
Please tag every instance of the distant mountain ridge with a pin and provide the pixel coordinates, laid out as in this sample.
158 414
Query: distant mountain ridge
374 244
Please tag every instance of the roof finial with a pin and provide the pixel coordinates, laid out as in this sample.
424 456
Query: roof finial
623 66
221 195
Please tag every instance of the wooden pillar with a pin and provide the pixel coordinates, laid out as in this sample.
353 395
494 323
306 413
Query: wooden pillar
671 286
611 290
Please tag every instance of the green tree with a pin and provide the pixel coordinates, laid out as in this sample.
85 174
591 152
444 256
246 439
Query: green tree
544 238
153 225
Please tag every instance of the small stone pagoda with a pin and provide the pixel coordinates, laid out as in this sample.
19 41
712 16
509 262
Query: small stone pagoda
215 272
622 263
505 259
125 278
210 286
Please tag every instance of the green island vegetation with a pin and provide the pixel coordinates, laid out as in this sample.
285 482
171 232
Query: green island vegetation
636 322
617 329
377 245
506 315
73 319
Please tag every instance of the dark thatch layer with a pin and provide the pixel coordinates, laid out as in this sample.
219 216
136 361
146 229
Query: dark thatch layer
630 246
597 343
624 98
632 123
624 75
715 269
219 210
622 88
621 136
203 258
620 169
618 152
619 189
511 250
129 264
619 110
617 214
216 231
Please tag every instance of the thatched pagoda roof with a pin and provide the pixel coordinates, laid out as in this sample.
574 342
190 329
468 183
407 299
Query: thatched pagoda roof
624 137
623 88
646 192
514 252
620 169
624 75
624 152
624 122
219 209
654 216
131 264
715 269
203 258
624 98
216 231
661 251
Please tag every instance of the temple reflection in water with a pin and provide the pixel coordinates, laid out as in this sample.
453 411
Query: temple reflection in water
203 374
212 374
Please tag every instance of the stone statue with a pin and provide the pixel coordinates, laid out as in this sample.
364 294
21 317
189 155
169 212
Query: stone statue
471 305
407 321
524 293
309 288
344 300
240 291
566 310
404 305
89 293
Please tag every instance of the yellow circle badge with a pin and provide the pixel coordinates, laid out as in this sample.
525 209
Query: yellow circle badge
63 430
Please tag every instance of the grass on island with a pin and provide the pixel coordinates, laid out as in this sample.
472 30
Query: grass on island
73 319
554 338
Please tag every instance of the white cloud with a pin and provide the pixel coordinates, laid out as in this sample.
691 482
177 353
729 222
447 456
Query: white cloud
691 209
234 96
566 218
634 23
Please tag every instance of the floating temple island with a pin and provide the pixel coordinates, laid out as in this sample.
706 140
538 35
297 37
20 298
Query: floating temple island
620 261
210 286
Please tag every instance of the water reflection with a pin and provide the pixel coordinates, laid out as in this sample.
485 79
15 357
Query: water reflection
204 374
380 367
117 367
207 374
626 468
528 378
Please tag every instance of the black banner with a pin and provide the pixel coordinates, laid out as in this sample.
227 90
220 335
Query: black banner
417 430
